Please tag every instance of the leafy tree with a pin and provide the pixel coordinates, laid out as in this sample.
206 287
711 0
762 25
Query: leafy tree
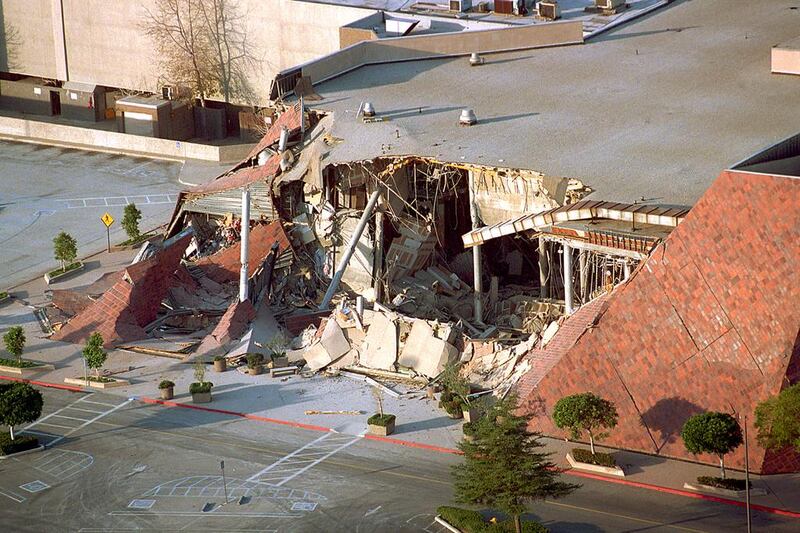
502 466
778 419
19 404
65 248
453 381
130 221
585 412
94 354
14 340
203 44
713 432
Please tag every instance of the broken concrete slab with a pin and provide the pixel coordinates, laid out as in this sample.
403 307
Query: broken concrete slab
424 352
334 341
380 346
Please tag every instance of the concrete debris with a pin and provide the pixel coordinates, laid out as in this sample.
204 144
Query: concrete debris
493 367
380 346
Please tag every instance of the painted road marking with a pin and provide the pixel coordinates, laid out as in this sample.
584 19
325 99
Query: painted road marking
74 428
304 506
35 486
12 495
111 201
63 464
304 458
626 517
141 504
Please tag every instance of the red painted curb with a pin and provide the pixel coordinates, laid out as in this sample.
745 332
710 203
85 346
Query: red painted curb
411 444
685 493
234 413
44 384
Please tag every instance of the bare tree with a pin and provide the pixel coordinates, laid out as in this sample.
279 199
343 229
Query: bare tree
203 45
10 44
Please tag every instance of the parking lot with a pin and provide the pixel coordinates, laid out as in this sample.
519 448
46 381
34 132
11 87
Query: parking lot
45 190
117 464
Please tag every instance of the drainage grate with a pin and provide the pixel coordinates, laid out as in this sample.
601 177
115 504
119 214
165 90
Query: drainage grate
35 486
304 506
141 504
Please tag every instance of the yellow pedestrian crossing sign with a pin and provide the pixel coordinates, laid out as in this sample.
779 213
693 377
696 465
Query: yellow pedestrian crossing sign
107 220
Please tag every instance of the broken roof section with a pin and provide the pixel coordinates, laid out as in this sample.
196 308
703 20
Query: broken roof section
585 210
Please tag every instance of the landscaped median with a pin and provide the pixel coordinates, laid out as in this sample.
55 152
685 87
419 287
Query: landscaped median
23 367
59 273
98 382
599 462
735 488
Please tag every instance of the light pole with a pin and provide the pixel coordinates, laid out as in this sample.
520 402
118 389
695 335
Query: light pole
747 476
224 485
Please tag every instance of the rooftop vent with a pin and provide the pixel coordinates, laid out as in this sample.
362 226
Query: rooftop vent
369 110
467 118
475 59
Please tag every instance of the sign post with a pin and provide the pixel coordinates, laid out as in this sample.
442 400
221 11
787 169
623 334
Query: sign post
224 485
108 220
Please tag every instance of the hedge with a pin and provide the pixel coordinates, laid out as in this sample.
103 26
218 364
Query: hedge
20 444
22 363
473 522
200 388
718 482
599 458
381 420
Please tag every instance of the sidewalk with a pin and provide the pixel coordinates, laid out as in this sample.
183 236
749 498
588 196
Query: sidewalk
265 400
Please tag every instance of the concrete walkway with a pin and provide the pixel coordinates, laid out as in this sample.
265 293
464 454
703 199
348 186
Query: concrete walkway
419 421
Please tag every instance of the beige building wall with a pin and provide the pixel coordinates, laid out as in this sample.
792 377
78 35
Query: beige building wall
786 58
106 44
26 37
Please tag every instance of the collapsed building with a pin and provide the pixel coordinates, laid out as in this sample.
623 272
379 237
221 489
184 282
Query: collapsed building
392 237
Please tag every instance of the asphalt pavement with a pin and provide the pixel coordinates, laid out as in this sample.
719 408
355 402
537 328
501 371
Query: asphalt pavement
116 464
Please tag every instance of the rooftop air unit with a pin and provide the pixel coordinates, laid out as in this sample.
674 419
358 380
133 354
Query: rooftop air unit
167 92
460 6
609 4
549 10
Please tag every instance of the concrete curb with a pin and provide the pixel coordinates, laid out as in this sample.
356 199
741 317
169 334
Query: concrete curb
438 449
44 384
39 448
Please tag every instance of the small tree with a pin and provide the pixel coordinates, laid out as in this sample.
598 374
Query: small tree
778 420
130 221
94 354
200 372
19 404
713 432
65 249
14 340
585 412
502 465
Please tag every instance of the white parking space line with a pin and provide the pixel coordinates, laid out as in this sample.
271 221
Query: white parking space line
12 495
106 201
83 422
84 410
304 458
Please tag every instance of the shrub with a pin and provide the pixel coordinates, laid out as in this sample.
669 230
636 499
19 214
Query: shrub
598 458
200 388
19 444
254 360
166 384
722 483
21 363
130 221
219 358
3 294
469 428
14 339
94 354
382 420
19 404
777 422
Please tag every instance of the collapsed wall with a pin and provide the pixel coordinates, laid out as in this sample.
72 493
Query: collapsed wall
709 322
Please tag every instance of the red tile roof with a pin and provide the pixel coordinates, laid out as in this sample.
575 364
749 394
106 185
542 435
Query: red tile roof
289 118
709 322
239 178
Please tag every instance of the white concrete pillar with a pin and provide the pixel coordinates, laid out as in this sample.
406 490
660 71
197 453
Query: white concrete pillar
627 268
567 260
583 271
544 268
477 278
245 245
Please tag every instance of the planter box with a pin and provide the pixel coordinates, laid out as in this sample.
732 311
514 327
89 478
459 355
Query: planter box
382 430
96 384
220 365
471 414
586 467
5 298
167 394
201 397
697 487
26 452
25 371
63 275
137 246
455 416
280 362
256 370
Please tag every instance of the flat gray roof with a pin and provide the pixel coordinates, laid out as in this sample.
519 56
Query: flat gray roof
655 109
